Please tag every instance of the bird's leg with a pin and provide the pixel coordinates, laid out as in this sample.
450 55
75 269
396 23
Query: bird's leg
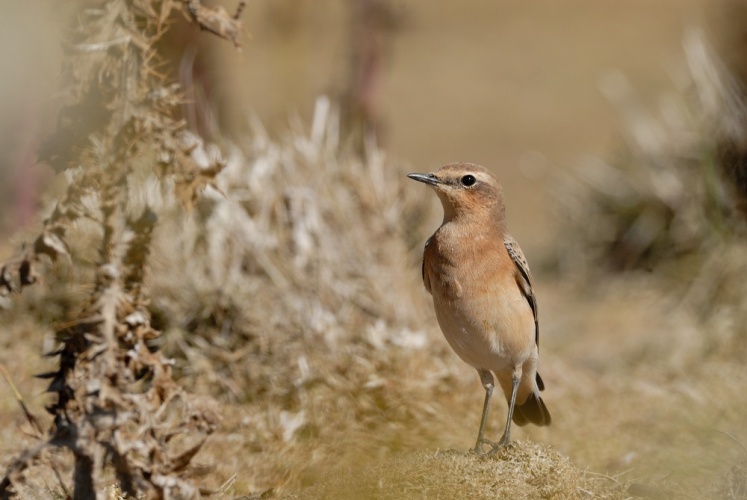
506 439
487 382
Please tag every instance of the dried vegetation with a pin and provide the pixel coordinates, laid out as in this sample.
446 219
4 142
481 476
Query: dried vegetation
525 470
673 206
674 201
288 307
115 401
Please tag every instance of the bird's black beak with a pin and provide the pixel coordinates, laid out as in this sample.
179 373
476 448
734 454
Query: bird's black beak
425 178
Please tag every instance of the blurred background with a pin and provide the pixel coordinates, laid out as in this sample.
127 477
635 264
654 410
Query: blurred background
511 85
617 130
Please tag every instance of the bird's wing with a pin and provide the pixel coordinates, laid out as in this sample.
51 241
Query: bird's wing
514 250
426 281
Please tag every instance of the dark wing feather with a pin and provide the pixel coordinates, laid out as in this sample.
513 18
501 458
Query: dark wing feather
514 251
422 269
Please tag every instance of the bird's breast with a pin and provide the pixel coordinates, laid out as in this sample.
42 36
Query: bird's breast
480 308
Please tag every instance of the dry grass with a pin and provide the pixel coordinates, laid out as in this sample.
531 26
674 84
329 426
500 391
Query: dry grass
672 205
673 199
735 484
669 191
525 470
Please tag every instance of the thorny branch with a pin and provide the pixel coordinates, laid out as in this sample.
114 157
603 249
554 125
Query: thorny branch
116 401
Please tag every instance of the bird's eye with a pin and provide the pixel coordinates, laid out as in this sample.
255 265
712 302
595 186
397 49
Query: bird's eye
468 180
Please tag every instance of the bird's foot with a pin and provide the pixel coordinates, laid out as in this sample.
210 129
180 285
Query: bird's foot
504 443
477 450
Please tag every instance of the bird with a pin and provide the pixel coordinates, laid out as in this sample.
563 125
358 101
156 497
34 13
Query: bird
482 293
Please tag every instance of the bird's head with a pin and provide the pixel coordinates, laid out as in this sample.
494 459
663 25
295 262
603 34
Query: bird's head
466 191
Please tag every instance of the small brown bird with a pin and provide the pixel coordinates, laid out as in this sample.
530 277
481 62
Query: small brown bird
482 293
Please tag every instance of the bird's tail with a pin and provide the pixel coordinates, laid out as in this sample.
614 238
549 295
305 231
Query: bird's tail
532 411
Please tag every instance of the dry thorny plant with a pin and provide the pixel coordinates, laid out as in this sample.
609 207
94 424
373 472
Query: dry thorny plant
116 401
